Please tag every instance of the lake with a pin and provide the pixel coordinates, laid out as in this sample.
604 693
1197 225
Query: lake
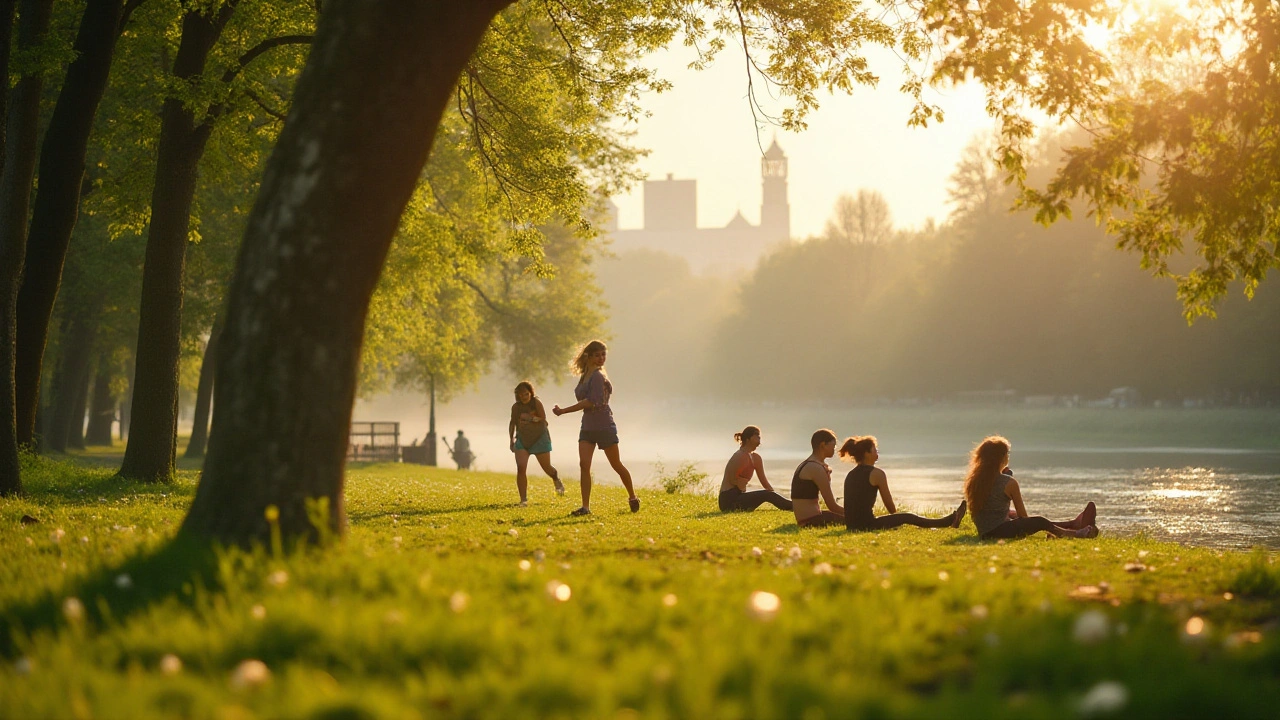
1202 477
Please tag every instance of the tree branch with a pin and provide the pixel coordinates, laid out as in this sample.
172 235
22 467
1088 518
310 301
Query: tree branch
262 47
265 108
484 297
129 7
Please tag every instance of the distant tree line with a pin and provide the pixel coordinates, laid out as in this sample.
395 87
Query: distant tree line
990 300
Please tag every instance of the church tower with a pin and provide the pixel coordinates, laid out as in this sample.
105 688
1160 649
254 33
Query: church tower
775 211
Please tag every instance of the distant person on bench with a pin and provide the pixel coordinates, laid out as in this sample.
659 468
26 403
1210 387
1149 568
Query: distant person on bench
866 481
812 480
461 451
737 475
989 491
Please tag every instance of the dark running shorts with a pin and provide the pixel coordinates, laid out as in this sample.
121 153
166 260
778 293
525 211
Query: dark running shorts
600 438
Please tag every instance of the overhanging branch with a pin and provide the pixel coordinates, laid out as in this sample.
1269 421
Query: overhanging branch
262 47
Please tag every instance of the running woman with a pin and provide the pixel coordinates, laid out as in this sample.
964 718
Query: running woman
598 429
530 435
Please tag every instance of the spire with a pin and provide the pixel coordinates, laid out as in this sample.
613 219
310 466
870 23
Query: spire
775 150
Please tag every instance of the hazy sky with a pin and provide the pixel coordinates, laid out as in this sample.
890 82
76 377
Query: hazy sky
703 129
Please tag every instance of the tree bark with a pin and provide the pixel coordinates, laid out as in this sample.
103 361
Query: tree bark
79 408
53 217
78 337
150 453
102 405
204 394
22 120
364 114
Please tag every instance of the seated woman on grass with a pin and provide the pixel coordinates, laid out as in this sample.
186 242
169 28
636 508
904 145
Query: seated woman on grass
813 478
865 481
737 475
989 491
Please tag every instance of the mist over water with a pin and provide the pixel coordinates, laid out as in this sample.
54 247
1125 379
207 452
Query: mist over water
1208 478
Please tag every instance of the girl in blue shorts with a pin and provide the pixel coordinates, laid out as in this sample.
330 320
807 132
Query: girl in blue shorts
530 436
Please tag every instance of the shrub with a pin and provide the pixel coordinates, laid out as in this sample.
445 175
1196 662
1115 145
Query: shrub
682 480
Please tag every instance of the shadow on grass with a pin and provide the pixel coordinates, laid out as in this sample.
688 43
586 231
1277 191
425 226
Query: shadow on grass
87 485
975 540
427 512
177 569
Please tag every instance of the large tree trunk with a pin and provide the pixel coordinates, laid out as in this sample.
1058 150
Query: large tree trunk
62 160
364 114
204 394
102 404
150 453
78 337
22 120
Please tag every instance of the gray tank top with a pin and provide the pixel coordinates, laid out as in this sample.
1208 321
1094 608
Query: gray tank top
996 508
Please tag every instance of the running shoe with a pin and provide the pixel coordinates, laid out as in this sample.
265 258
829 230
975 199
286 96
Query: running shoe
635 504
580 512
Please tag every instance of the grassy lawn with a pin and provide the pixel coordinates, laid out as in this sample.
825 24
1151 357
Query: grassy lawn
445 600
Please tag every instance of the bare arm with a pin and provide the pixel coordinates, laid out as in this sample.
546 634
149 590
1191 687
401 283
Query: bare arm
511 427
823 482
880 480
759 466
1015 494
540 413
584 405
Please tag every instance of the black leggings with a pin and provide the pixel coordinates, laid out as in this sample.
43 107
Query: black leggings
1022 527
893 520
734 499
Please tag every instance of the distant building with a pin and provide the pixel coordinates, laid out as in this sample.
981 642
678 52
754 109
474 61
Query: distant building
671 222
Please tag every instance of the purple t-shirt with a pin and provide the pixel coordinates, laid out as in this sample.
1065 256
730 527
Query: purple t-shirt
597 389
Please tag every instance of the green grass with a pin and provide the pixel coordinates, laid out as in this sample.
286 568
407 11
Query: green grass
427 609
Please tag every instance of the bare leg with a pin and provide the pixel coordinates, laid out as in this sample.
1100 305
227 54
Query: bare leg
544 459
522 474
585 452
615 461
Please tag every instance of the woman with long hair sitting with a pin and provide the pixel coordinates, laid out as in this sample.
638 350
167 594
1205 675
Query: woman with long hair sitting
812 480
990 490
865 481
737 475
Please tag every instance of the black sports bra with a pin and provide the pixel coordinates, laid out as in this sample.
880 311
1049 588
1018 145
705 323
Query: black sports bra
803 488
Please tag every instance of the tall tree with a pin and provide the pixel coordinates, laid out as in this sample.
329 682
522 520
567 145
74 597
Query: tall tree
364 115
22 119
102 402
57 201
204 396
301 230
185 127
863 219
